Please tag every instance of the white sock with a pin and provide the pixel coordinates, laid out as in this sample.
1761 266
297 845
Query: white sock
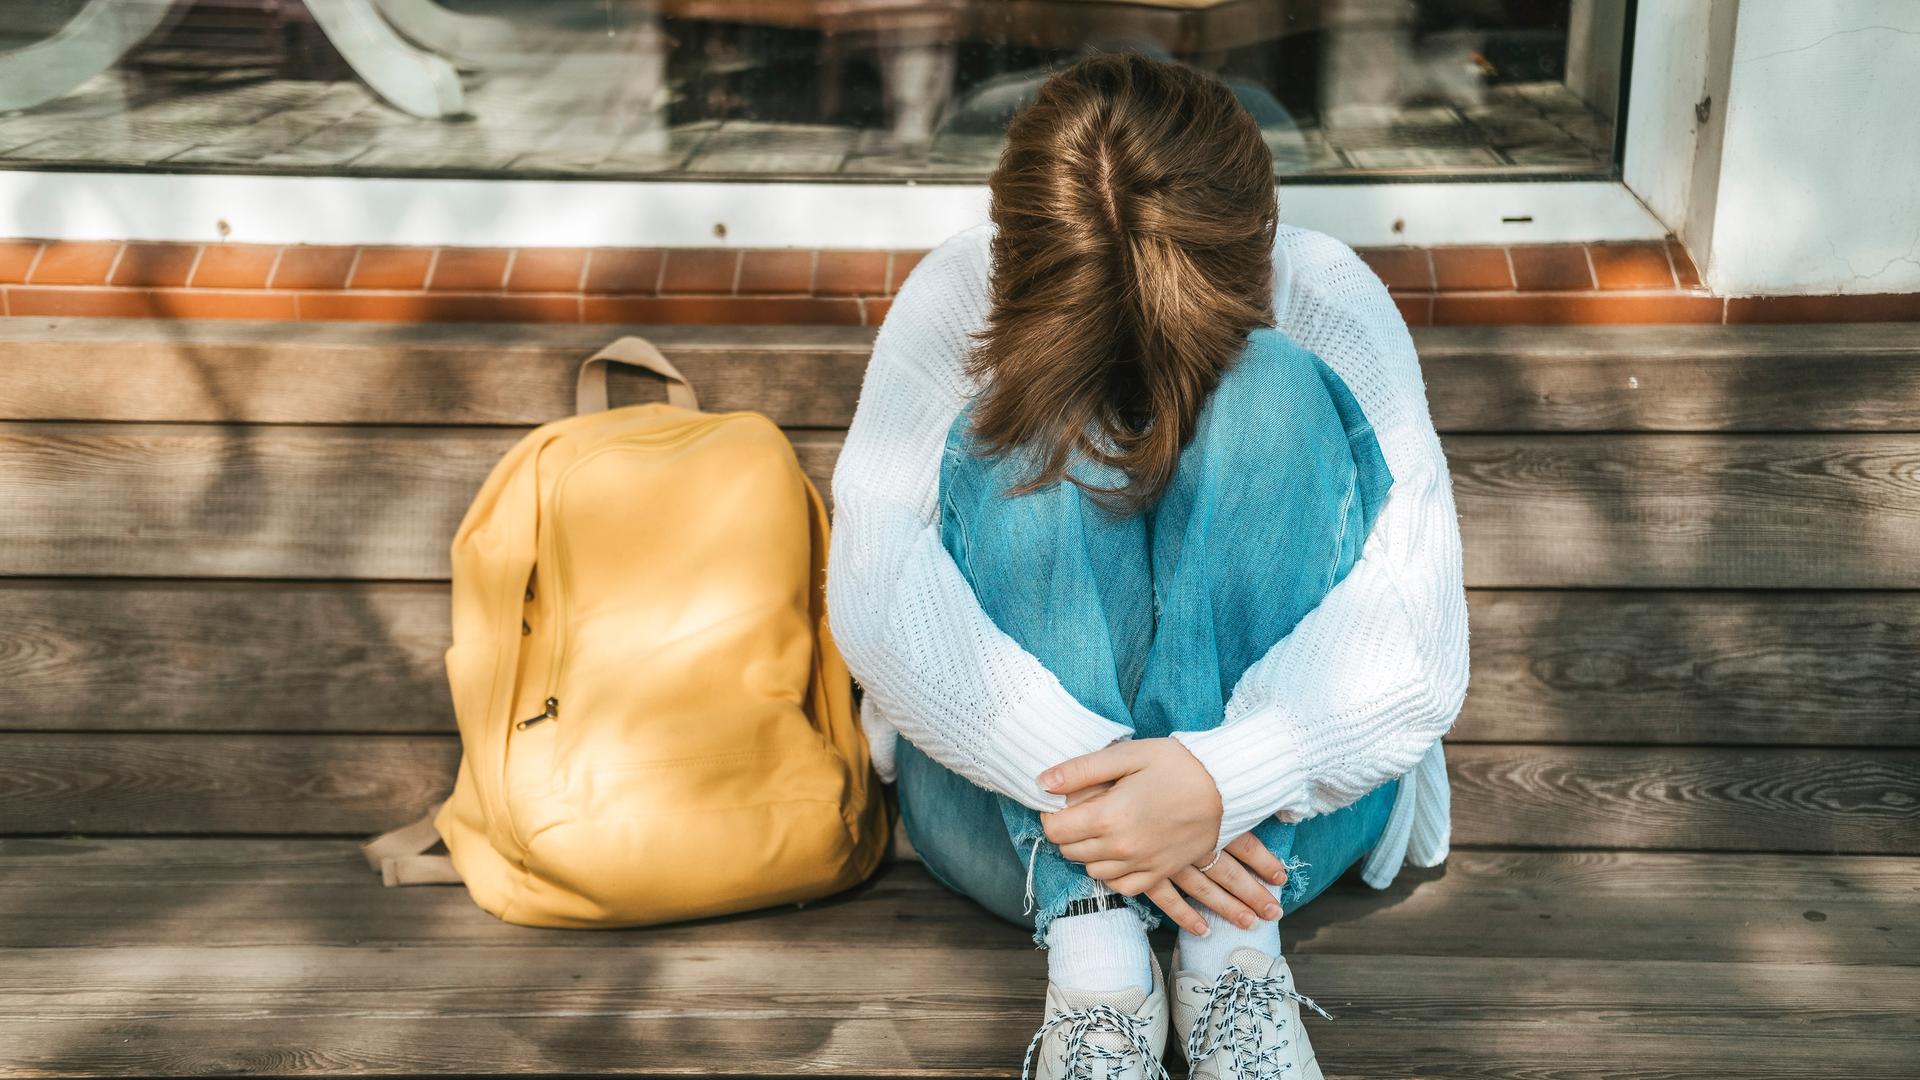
1099 953
1207 956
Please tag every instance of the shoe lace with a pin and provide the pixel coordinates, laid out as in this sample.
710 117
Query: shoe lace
1080 1055
1233 1018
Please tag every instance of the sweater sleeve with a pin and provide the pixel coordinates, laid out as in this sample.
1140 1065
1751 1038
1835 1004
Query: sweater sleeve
1364 685
929 659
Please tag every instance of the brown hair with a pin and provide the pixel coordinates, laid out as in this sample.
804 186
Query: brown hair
1135 210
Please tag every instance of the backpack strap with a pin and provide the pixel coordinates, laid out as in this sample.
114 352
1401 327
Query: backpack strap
401 859
590 391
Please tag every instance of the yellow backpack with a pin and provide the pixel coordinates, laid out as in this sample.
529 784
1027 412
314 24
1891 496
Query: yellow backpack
655 723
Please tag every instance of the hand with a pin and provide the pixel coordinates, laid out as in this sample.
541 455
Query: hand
1160 815
1237 886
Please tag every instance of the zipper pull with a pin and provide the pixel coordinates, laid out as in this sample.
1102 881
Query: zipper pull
552 713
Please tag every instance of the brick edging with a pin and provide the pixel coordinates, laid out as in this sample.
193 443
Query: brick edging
1544 284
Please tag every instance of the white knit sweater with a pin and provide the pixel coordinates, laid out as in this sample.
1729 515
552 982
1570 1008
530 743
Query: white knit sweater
1358 693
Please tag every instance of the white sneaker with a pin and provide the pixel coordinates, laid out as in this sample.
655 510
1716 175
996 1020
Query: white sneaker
1112 1036
1244 1025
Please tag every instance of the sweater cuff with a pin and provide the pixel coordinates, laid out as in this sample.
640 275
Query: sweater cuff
1257 764
1045 728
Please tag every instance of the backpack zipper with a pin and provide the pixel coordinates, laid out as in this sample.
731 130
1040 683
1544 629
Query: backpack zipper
552 713
556 665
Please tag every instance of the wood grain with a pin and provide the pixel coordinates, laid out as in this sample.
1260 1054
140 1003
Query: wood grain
1479 379
1686 798
1764 799
1779 668
117 655
309 939
1699 963
1600 511
1689 511
1808 668
190 500
1721 908
315 373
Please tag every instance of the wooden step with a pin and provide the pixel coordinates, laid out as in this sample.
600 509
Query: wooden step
286 958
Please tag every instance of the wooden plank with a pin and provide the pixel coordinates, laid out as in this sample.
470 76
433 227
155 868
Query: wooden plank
1689 511
1709 965
1770 799
1844 910
863 1011
314 784
189 500
1479 379
964 1044
1780 668
1824 669
224 656
332 373
1863 377
1694 798
1548 511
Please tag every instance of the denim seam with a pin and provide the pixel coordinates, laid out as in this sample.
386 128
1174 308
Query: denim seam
1340 539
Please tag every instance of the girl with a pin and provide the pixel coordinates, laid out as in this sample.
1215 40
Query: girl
1144 540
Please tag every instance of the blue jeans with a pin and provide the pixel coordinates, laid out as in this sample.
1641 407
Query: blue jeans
1150 619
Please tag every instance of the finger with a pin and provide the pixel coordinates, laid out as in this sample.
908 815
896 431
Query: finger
1204 890
1238 880
1170 902
1075 798
1248 849
1096 849
1135 883
1110 870
1075 823
1111 763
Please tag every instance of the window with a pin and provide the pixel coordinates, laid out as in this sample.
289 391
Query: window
782 89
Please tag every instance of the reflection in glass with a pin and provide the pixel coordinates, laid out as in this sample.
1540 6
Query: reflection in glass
781 88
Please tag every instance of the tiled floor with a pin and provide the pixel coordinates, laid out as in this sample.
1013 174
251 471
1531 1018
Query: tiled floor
570 120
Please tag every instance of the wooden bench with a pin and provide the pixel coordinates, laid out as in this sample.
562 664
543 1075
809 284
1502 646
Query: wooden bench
1687 780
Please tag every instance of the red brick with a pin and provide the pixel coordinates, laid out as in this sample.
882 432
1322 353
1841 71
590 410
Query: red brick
469 270
16 258
1471 269
1400 268
65 263
547 270
1631 266
234 266
763 272
100 302
1551 268
391 268
313 268
873 310
713 310
699 270
850 273
438 307
624 270
1573 308
1863 307
209 304
903 264
1683 268
152 303
1415 308
156 264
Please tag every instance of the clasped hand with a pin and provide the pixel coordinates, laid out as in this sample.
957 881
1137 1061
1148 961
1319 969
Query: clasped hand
1143 816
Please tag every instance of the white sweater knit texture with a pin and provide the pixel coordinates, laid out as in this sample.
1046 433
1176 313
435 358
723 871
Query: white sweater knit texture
1360 691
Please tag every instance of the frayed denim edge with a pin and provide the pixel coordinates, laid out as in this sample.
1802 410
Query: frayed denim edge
1148 915
1297 882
